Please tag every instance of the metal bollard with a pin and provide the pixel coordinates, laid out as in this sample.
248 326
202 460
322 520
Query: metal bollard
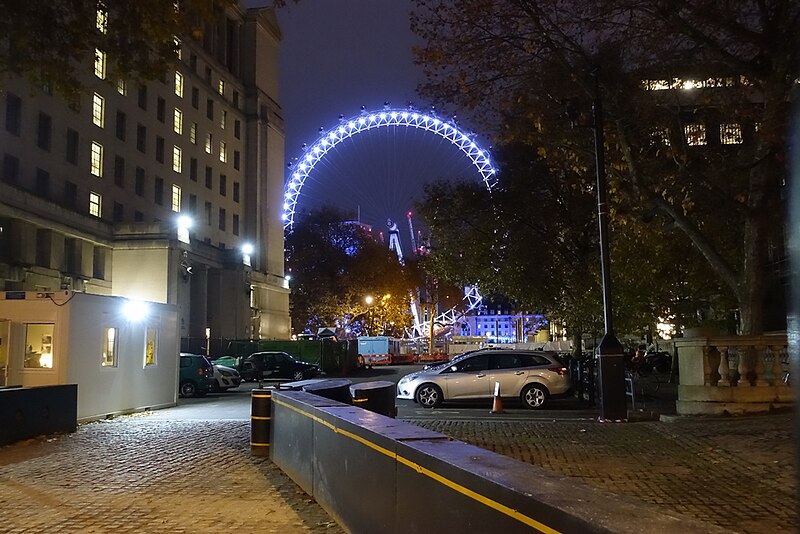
378 397
260 421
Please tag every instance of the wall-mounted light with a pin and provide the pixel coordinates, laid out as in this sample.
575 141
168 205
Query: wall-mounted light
184 224
247 251
135 310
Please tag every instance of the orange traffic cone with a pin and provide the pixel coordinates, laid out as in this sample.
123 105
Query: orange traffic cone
497 403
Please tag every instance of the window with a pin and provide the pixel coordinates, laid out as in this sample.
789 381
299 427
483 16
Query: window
209 142
209 179
110 339
161 109
158 197
142 97
223 154
97 159
44 132
138 186
178 84
70 194
119 171
210 109
138 216
193 61
122 87
150 347
178 49
177 158
208 213
100 64
223 119
177 122
13 114
72 146
695 134
237 157
221 87
236 191
95 204
141 138
39 345
208 75
119 212
42 183
159 149
222 218
193 133
235 224
192 204
237 129
195 98
98 110
236 99
121 125
223 185
193 169
102 19
176 198
730 134
10 169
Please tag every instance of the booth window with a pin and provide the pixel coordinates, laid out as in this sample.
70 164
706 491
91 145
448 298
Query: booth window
110 341
150 347
39 345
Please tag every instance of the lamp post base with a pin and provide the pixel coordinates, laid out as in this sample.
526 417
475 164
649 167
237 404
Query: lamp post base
611 379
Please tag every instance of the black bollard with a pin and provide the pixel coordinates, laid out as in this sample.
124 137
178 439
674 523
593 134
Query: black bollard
260 421
378 397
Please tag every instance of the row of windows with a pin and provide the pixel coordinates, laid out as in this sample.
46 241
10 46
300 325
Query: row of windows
696 134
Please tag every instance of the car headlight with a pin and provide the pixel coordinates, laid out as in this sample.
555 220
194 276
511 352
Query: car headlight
404 380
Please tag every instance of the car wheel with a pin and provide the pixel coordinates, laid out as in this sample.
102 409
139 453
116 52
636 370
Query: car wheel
429 395
297 375
533 396
188 389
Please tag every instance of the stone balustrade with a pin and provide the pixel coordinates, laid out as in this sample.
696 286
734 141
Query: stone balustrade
732 374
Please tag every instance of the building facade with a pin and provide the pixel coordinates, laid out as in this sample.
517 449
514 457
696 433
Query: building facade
169 192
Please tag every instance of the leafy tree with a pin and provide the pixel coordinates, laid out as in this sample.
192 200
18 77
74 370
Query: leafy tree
537 59
335 266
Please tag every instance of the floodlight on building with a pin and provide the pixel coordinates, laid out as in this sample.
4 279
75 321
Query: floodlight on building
135 310
184 224
247 251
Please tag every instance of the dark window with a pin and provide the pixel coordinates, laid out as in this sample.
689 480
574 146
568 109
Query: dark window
119 212
530 360
72 146
236 159
193 61
159 149
237 129
13 113
209 177
193 169
10 169
236 99
236 191
210 109
195 98
44 132
474 363
159 191
193 204
70 195
235 224
505 361
119 171
139 185
208 74
142 96
141 138
121 125
223 185
161 109
99 263
208 213
138 216
222 218
42 183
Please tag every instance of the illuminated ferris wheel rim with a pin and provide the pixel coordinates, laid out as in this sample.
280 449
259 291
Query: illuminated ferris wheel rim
368 120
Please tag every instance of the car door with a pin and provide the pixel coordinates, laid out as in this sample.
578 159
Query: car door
280 365
507 369
467 379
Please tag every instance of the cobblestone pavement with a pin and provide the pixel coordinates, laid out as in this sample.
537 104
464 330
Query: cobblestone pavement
737 473
137 475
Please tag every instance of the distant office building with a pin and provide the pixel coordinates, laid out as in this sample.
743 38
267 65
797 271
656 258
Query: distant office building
501 323
91 195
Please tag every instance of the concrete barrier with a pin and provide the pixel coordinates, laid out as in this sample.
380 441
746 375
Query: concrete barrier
375 474
27 412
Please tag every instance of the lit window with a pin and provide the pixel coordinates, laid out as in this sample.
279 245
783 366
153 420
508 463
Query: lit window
97 159
176 198
209 140
39 346
95 204
223 119
150 347
221 87
122 87
178 49
177 121
660 137
100 64
102 18
695 134
223 154
179 84
730 134
98 110
177 158
110 340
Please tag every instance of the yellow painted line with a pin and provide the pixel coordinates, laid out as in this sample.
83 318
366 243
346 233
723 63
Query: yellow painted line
259 444
262 396
491 503
259 418
360 400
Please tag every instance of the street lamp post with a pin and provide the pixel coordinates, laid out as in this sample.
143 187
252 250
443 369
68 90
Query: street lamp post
611 362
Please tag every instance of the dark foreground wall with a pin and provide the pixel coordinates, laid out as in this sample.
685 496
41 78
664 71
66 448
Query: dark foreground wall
35 411
376 474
